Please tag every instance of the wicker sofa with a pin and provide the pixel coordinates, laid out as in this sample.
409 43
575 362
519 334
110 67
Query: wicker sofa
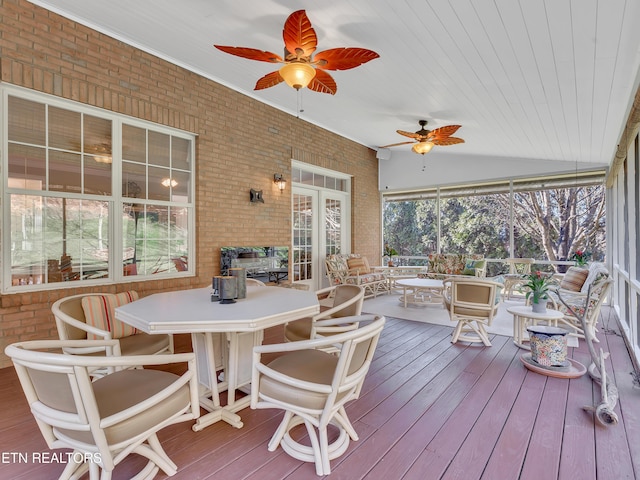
354 269
443 265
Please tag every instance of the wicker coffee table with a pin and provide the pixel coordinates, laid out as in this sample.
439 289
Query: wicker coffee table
420 291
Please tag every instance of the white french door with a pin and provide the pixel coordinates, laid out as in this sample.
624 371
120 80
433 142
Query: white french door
320 220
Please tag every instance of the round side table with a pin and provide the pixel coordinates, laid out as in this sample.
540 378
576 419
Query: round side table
524 316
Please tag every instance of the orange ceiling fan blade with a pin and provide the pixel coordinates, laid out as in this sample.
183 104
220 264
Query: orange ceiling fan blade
251 53
343 58
323 83
443 132
409 134
269 80
396 144
298 34
443 142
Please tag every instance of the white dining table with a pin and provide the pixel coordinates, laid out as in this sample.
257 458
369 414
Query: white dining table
227 332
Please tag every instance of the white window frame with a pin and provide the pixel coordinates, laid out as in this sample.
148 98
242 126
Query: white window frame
115 200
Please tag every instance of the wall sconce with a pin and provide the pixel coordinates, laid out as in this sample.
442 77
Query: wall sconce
279 180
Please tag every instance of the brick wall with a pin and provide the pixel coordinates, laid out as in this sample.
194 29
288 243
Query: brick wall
48 53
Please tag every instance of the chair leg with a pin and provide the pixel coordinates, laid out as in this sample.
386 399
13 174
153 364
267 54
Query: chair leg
323 466
75 470
342 418
458 330
282 429
160 457
466 329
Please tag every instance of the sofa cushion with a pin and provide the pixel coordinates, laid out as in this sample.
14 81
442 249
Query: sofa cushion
574 279
358 265
471 266
99 312
446 263
596 271
337 262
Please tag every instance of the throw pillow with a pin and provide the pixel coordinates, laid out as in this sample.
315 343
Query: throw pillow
358 265
99 312
574 279
471 266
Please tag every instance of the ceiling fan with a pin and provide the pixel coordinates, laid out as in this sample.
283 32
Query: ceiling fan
426 139
301 67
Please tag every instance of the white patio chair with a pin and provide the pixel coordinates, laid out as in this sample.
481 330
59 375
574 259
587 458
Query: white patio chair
313 386
105 420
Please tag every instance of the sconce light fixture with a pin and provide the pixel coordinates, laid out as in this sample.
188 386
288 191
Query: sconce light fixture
279 180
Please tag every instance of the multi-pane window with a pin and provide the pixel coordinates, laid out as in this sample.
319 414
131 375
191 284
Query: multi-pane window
90 196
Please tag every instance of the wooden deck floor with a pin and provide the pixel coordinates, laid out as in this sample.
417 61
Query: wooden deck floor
429 410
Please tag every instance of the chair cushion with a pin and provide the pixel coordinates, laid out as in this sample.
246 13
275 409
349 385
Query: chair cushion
308 365
99 312
121 390
574 279
365 278
358 265
143 344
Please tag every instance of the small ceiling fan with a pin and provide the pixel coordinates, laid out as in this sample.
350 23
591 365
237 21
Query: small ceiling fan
424 139
301 67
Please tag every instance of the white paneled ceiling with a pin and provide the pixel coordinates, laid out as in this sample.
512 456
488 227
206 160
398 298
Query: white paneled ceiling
536 80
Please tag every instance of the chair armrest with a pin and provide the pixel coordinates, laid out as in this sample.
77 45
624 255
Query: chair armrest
570 295
311 344
98 332
333 310
114 360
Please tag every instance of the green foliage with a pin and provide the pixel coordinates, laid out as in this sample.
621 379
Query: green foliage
547 224
538 286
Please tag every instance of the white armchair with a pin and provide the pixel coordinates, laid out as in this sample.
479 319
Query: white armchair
73 323
105 420
346 302
313 386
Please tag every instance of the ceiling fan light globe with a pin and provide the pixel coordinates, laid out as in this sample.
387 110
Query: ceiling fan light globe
422 147
297 74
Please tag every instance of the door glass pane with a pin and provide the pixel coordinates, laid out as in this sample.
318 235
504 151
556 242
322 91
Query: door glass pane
333 225
302 237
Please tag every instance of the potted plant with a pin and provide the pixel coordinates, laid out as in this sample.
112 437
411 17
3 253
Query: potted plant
388 253
538 289
581 258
